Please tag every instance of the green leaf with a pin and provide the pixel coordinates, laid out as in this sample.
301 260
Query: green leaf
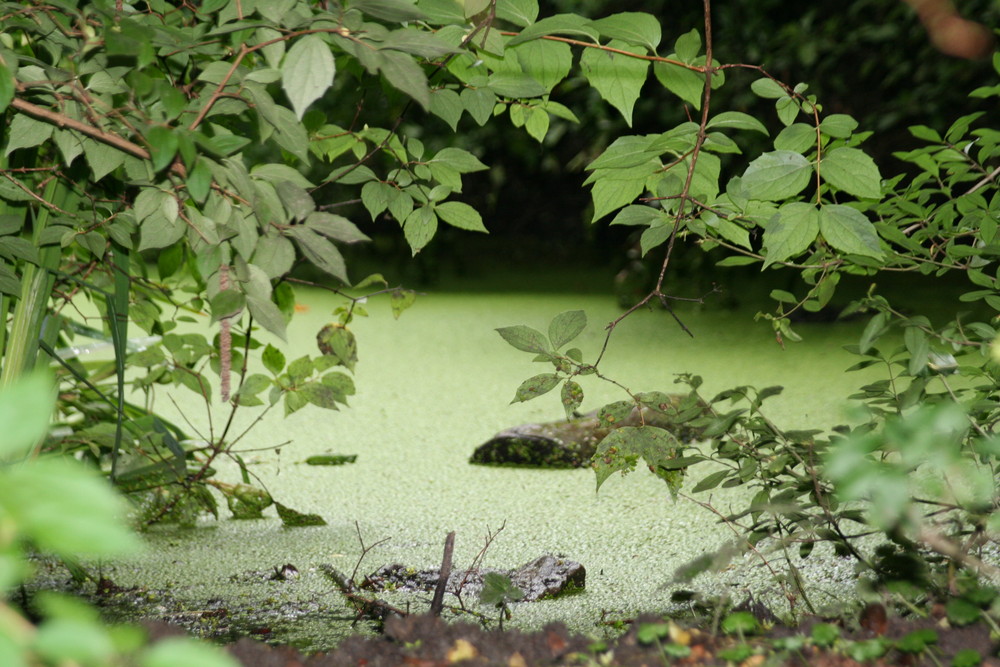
640 215
637 28
516 85
682 82
560 24
307 72
66 509
566 326
572 397
518 12
446 104
226 303
688 46
535 386
791 232
275 256
6 87
273 359
400 300
460 215
853 171
736 120
323 254
838 126
614 188
621 449
25 410
525 338
404 74
849 231
163 144
335 227
797 137
25 132
479 102
266 313
768 89
199 181
338 341
499 589
616 77
629 151
459 159
777 175
103 159
419 228
545 61
393 11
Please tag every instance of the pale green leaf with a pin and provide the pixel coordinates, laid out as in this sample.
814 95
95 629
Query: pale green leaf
849 231
853 171
777 175
307 72
616 77
790 232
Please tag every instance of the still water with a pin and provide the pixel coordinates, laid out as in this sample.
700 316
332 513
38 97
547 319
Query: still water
431 387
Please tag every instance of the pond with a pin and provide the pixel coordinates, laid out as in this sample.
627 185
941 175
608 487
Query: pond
431 387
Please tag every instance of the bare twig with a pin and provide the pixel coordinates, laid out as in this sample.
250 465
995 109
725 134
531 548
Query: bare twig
438 602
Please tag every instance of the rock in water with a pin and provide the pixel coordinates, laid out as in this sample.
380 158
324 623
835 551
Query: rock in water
571 443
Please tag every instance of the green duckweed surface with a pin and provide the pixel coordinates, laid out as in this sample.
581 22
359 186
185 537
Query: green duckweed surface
431 387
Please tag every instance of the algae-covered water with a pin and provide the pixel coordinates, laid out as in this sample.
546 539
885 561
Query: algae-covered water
431 387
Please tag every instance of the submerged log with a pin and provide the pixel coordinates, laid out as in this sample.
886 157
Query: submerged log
571 443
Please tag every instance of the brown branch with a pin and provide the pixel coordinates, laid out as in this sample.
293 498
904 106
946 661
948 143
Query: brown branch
63 121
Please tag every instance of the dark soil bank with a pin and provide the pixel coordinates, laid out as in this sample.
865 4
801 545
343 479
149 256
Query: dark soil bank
427 641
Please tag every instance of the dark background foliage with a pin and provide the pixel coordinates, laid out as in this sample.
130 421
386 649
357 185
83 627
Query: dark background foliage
867 58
